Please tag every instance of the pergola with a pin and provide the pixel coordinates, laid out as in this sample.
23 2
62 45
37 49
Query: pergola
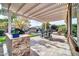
39 11
43 12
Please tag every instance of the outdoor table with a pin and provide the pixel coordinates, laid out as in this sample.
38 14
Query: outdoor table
10 43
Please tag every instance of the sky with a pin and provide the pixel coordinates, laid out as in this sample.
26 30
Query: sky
74 21
3 17
35 23
61 22
58 22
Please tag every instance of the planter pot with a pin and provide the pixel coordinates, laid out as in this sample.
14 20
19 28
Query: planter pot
15 35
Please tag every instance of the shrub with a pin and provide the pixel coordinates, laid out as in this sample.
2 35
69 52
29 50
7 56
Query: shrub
1 32
54 27
62 29
74 30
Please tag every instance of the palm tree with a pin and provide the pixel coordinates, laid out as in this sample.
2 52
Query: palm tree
45 29
45 26
3 24
21 23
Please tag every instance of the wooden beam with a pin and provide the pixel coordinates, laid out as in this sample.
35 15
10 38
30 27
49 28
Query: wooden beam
48 5
78 25
54 18
31 8
69 18
20 7
37 19
54 11
49 9
9 5
43 10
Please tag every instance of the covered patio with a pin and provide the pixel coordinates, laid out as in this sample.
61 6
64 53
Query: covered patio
45 12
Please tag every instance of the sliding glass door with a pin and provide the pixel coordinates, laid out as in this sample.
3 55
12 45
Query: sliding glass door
75 12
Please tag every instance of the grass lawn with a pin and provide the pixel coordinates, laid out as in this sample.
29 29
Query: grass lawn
2 39
33 35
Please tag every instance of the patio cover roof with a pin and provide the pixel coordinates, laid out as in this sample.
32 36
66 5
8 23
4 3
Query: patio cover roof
39 11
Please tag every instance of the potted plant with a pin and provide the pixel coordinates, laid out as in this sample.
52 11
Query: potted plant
15 33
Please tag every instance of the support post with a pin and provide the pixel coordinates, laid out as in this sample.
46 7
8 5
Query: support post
78 26
69 19
9 23
8 41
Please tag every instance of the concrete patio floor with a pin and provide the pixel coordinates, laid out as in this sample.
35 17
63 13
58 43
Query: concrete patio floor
1 50
44 47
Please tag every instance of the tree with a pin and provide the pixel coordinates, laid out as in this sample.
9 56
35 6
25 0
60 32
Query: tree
54 28
74 30
62 29
21 24
45 26
3 24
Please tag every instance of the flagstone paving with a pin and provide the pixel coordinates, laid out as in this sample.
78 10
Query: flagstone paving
45 47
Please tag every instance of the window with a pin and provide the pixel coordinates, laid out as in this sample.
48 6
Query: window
74 22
